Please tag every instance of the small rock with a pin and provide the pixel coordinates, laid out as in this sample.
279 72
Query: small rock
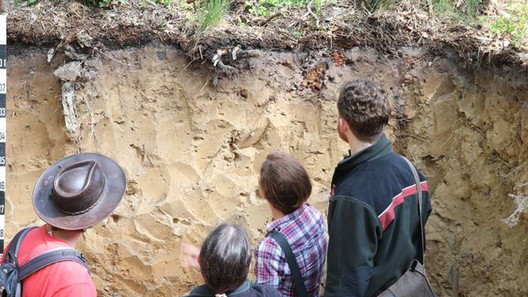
93 64
84 40
89 74
75 54
244 93
69 72
161 55
51 54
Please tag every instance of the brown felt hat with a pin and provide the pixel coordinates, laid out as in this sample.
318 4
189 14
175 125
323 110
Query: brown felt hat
79 191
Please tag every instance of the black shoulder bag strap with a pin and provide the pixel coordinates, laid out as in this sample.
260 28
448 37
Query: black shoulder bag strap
48 258
41 261
419 195
300 287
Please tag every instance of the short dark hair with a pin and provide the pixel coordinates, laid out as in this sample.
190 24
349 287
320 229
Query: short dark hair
285 182
365 107
225 257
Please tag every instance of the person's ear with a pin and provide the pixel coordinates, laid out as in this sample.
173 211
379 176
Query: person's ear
342 125
260 193
342 129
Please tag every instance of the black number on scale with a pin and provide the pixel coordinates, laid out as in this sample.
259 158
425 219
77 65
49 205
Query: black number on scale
2 112
2 87
2 186
3 63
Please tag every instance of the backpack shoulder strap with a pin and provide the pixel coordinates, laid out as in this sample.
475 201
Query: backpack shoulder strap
14 246
300 287
48 258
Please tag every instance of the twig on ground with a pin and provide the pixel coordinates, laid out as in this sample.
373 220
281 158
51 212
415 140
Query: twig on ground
205 85
310 12
273 16
187 66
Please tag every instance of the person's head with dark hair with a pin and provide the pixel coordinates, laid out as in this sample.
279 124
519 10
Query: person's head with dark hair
364 111
225 257
284 182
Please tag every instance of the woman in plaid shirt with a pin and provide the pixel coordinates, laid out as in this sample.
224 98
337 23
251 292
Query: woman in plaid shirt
286 186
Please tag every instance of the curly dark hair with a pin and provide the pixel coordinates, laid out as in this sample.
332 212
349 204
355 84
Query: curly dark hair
225 257
365 107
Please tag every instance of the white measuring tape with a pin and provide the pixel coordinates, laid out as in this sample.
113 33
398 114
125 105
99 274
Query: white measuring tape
3 87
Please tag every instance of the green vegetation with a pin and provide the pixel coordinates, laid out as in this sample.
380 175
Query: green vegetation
211 12
458 10
266 7
317 6
18 2
513 23
443 9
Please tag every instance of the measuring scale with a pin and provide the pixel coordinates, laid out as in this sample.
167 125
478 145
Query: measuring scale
3 87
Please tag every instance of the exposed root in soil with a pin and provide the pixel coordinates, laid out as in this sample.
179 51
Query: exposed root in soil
521 200
68 107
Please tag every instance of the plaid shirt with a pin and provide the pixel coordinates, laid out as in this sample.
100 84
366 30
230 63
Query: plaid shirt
305 231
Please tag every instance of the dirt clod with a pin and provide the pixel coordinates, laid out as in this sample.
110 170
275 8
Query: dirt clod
314 78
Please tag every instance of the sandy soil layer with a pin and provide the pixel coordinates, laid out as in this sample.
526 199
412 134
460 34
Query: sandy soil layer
191 152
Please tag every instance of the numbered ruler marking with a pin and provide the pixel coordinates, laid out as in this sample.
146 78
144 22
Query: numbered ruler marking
3 90
3 81
2 194
2 129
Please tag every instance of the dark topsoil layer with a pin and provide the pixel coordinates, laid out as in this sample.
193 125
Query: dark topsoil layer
57 24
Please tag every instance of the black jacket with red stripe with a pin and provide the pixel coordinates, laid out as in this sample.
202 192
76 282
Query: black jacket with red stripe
373 221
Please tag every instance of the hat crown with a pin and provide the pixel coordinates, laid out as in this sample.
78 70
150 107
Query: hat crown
78 187
75 180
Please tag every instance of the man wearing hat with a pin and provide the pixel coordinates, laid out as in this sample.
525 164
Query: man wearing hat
72 195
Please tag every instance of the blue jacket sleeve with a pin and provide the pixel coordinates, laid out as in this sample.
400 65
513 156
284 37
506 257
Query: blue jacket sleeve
354 231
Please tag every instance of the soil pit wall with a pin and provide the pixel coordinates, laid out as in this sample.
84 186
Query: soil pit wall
191 152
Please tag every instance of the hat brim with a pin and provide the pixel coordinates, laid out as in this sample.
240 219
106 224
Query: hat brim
114 190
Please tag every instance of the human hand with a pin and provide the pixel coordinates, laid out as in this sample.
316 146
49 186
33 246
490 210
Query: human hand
190 256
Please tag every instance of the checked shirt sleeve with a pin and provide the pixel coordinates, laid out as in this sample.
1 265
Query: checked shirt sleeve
269 267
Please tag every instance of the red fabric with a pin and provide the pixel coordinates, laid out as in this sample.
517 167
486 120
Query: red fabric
62 279
387 216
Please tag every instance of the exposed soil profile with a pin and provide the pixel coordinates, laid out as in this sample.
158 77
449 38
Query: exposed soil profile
192 153
191 138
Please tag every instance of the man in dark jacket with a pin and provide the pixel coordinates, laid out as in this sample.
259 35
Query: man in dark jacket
373 213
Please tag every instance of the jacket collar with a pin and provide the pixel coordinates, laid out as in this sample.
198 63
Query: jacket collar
381 148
